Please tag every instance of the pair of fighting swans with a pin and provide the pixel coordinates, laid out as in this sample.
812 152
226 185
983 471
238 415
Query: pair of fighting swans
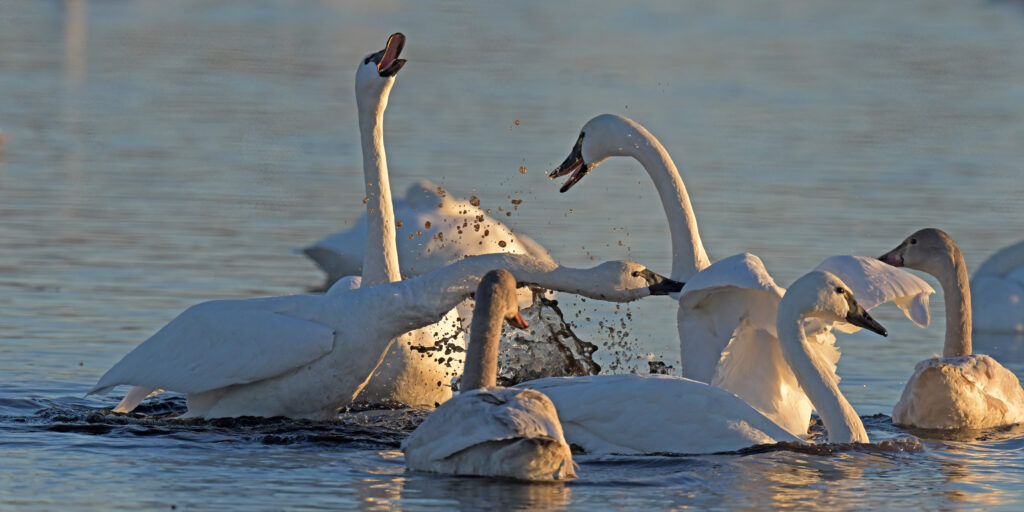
306 356
727 310
960 389
520 433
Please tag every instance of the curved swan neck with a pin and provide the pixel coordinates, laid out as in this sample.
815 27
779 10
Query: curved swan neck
817 380
688 255
481 367
956 291
380 257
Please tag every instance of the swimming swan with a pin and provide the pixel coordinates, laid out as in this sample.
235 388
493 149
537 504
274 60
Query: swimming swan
997 291
306 356
488 430
960 389
632 414
727 311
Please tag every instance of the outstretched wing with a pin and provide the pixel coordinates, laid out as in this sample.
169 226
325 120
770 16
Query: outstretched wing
220 343
874 283
714 302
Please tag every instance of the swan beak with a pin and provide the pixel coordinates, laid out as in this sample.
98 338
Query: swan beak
893 257
658 284
389 63
573 164
518 321
859 317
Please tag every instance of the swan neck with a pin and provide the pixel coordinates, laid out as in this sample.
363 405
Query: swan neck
956 291
380 257
688 255
481 367
818 380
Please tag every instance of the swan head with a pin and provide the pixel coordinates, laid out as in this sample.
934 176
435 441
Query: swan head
823 295
497 292
634 280
376 73
930 250
604 136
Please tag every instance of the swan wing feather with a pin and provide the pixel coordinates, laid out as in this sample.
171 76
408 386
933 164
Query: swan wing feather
874 283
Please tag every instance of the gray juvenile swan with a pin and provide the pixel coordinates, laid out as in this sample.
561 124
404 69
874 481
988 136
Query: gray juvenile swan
488 430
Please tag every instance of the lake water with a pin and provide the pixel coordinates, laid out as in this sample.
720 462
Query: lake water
160 154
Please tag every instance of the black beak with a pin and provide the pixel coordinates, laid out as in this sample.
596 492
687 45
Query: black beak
573 164
658 284
387 59
859 317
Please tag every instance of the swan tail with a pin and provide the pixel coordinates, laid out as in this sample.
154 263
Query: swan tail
135 397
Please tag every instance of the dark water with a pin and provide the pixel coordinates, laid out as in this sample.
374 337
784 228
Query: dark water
160 154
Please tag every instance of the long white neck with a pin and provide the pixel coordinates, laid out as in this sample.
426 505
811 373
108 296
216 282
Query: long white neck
956 291
423 300
818 380
688 256
481 367
380 258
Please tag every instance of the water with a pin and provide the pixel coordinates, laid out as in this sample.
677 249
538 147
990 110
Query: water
161 154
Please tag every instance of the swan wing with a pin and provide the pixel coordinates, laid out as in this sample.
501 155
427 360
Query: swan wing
632 414
998 304
483 416
874 282
1002 263
714 302
220 343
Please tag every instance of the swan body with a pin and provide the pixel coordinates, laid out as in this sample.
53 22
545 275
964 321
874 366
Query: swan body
960 389
490 430
727 310
997 291
435 230
306 356
632 414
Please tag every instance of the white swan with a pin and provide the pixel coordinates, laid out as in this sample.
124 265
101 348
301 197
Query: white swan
433 229
632 414
997 291
488 430
726 317
960 389
305 356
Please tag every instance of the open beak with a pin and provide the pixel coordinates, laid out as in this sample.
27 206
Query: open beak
859 317
573 164
389 62
518 321
893 257
658 284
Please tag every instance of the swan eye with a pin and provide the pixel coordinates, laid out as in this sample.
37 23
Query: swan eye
636 273
913 241
840 291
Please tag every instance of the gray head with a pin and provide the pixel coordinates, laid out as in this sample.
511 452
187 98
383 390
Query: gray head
497 293
930 250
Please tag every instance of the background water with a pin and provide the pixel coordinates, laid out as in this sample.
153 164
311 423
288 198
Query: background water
164 153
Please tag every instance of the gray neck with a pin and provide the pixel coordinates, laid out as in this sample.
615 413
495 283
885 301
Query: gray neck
481 368
688 256
956 291
380 257
818 381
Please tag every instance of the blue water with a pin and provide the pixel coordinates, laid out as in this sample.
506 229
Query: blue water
160 154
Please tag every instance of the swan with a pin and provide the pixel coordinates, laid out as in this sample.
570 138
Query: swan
488 430
306 356
727 311
433 229
632 414
997 291
960 389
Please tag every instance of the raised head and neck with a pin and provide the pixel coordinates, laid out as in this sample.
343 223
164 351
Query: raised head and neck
823 295
933 251
609 135
374 79
496 302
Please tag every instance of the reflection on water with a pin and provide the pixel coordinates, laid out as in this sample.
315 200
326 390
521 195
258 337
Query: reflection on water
161 154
